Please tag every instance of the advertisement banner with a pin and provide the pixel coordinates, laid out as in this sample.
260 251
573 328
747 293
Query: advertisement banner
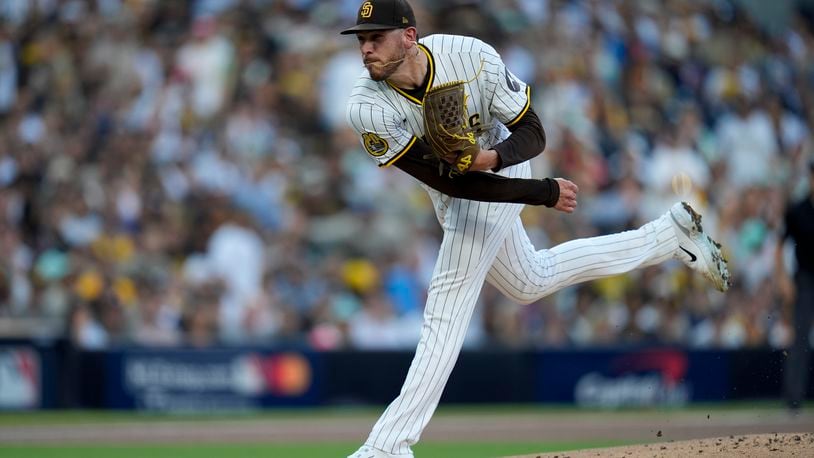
210 380
20 378
632 378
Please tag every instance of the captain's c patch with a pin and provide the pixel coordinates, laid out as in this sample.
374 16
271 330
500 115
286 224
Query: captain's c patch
375 145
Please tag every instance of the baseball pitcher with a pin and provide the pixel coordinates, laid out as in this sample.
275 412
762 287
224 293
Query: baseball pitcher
446 110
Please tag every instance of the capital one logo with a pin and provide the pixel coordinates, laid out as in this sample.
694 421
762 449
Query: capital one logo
653 377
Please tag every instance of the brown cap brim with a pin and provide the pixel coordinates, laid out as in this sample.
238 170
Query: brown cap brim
367 28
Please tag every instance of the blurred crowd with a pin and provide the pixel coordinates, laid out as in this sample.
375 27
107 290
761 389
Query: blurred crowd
181 173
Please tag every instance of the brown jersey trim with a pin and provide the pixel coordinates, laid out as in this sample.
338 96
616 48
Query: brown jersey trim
397 156
430 69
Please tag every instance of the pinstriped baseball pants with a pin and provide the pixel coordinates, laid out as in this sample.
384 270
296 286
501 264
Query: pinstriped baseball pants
487 242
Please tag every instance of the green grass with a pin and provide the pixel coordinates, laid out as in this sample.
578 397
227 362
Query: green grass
425 449
327 450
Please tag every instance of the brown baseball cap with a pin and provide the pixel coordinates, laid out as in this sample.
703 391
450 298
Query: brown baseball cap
382 15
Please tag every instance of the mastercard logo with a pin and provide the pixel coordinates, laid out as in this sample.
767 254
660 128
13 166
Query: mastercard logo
284 374
290 375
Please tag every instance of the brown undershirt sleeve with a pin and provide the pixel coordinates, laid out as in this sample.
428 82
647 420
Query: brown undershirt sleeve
486 187
526 141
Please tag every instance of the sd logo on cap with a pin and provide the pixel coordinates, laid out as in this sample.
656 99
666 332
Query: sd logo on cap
383 15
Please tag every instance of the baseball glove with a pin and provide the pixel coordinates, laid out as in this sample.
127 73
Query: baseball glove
452 140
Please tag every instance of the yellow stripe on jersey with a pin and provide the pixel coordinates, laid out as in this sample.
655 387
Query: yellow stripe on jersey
525 109
431 69
397 156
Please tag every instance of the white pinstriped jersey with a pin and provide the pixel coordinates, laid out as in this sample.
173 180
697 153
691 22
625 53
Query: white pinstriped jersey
389 120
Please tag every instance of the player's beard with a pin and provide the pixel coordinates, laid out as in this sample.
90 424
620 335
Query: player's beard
382 70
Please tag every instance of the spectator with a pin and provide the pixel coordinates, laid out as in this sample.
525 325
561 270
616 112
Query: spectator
159 140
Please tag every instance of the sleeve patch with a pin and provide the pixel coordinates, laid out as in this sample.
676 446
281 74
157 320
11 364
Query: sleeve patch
511 82
376 146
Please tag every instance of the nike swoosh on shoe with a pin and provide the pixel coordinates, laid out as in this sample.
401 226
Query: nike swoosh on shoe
693 257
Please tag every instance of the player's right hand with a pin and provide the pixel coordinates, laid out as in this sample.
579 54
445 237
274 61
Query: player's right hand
568 196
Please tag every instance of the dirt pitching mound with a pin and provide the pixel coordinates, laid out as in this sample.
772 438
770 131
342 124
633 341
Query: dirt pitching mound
756 445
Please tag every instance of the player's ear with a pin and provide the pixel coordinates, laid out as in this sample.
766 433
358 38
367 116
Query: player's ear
410 37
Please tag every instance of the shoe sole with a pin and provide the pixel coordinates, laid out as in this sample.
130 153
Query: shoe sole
717 271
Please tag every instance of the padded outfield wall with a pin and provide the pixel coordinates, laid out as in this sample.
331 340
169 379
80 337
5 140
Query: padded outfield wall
37 375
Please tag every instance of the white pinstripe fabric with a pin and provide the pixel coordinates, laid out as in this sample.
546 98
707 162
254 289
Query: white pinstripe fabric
474 232
527 275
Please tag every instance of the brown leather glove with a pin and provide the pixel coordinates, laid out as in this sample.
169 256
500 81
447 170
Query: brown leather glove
452 140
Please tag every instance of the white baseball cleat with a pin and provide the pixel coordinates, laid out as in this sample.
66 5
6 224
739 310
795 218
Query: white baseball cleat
369 452
697 249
